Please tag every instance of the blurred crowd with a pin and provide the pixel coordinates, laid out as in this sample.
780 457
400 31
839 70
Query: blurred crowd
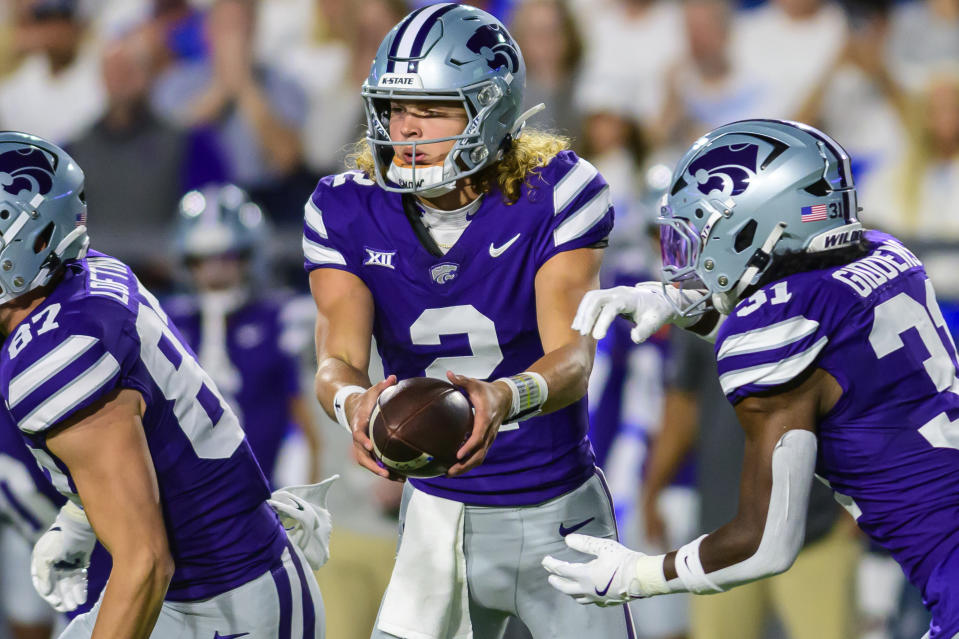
155 98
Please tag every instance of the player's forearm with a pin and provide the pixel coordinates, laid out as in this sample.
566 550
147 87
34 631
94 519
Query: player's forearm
332 374
566 371
767 533
134 595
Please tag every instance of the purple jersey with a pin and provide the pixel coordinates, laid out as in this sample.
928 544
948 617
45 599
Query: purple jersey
888 447
99 331
473 309
264 370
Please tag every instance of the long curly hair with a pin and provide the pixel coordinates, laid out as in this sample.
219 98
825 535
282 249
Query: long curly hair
532 150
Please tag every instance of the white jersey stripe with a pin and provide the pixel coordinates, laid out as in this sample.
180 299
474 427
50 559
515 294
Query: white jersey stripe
71 395
318 254
773 373
314 218
571 184
768 337
409 36
583 219
47 366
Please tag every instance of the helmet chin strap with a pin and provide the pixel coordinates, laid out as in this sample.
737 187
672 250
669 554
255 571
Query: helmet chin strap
429 178
725 302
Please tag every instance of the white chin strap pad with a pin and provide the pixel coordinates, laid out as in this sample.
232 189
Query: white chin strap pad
793 465
427 179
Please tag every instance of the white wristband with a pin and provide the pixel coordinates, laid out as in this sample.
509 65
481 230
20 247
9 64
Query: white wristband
339 404
690 570
649 579
529 394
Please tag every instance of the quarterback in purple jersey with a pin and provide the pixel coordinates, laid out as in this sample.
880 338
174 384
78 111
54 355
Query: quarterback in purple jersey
833 350
128 427
463 245
246 340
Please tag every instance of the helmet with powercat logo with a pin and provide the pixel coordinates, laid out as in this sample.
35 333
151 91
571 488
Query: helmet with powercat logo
453 53
748 193
43 212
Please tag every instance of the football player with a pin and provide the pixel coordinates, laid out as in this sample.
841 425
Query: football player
246 339
119 414
833 351
464 245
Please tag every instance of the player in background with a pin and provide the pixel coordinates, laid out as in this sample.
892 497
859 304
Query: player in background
119 414
464 247
833 351
247 337
29 505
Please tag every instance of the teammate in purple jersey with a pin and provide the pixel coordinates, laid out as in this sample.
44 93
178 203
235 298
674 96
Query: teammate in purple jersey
833 350
133 432
248 341
464 246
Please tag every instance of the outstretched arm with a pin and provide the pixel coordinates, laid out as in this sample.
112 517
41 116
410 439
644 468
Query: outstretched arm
106 451
764 537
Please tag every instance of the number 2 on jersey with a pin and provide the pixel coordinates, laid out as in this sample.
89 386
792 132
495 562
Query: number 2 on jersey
480 330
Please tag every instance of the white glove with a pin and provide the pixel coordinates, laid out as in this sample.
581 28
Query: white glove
61 557
645 304
617 575
302 511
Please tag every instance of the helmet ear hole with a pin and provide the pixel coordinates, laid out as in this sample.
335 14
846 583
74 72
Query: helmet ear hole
744 239
43 240
820 188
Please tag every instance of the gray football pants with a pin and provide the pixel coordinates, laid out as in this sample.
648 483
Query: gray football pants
504 547
282 603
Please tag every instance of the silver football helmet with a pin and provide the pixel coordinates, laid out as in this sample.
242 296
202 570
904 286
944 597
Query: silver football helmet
43 212
747 193
446 52
219 220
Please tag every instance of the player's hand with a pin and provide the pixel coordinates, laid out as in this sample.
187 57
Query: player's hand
609 579
60 559
303 513
646 304
358 409
491 404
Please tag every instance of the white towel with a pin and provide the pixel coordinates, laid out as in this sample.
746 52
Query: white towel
428 597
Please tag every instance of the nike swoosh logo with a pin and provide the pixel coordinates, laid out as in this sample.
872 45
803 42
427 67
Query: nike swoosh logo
496 251
217 635
601 593
563 530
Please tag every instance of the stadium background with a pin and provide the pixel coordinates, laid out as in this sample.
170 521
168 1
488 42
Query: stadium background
156 97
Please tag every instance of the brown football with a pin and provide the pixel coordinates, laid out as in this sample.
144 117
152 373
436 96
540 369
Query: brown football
418 425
